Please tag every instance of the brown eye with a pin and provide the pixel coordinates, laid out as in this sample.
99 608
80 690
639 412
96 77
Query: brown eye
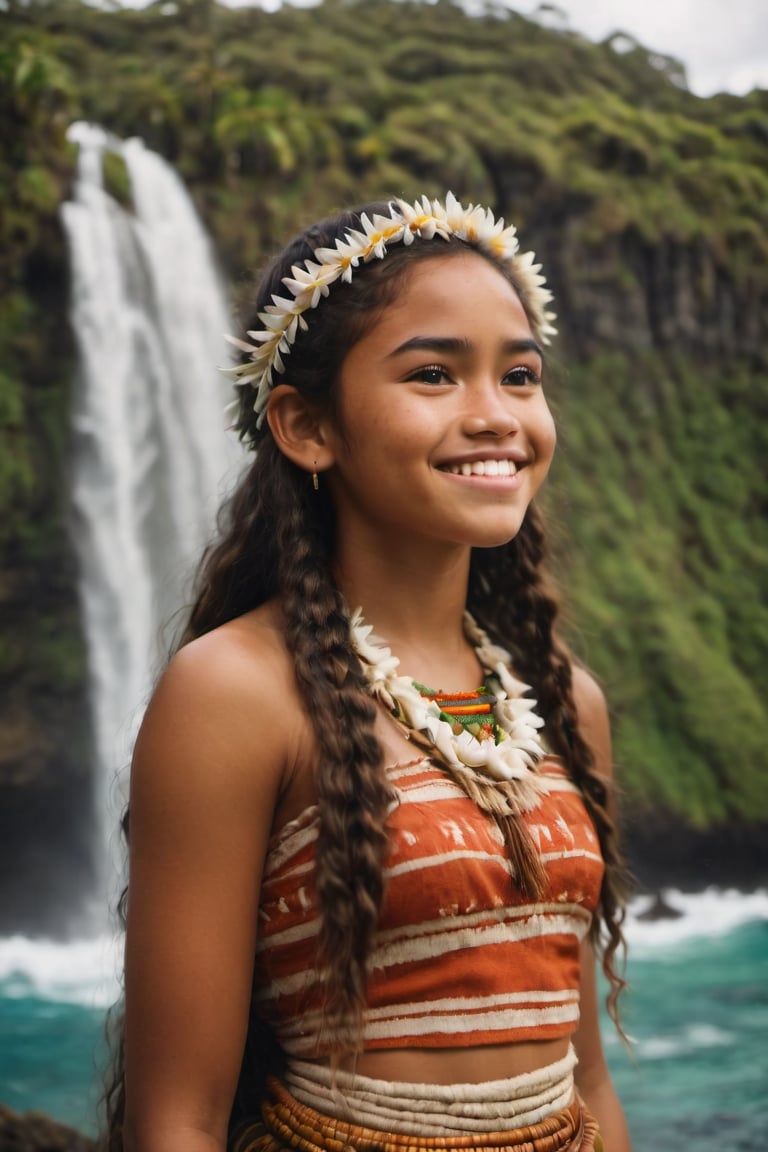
522 375
432 374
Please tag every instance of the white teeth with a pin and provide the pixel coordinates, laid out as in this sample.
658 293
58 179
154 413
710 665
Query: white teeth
483 468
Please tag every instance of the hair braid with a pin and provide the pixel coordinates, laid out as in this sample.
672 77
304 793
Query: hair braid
510 598
353 794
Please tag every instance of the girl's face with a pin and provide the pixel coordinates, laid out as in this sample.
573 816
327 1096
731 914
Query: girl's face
443 433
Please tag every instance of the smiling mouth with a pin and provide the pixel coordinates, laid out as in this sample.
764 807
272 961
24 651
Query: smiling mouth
482 468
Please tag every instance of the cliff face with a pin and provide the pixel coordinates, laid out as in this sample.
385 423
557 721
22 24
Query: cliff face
649 210
46 817
670 295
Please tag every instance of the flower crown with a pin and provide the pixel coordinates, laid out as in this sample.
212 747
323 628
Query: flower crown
310 282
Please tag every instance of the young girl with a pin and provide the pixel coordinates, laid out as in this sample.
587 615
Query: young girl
369 864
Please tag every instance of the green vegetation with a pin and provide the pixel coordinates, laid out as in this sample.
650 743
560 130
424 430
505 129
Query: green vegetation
663 501
648 207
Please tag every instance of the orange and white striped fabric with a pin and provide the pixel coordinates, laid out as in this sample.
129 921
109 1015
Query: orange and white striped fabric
460 958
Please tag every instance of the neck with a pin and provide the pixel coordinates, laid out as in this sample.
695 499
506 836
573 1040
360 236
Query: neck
416 605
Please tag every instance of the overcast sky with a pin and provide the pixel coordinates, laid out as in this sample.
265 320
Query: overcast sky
722 43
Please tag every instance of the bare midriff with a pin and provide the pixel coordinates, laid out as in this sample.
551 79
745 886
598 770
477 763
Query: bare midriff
459 1065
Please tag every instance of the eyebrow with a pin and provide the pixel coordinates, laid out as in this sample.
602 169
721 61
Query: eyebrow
447 344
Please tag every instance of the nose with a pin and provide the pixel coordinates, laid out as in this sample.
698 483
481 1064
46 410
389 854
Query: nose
490 411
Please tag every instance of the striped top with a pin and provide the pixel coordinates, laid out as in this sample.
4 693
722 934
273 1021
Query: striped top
460 958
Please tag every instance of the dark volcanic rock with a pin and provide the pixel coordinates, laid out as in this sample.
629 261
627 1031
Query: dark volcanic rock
659 909
662 852
34 1132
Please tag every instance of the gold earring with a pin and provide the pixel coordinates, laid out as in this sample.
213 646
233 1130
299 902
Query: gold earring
315 481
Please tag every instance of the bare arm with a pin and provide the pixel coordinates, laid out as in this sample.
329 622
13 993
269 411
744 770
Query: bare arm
592 1076
206 777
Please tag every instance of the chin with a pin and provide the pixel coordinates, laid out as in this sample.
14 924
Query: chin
495 537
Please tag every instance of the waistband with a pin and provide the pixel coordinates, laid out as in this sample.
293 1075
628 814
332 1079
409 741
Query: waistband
288 1125
434 1109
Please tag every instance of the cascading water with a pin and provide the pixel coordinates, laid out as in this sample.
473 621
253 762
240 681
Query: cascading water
151 457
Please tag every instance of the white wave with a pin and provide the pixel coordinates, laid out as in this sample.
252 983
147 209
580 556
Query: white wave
714 912
692 1039
85 972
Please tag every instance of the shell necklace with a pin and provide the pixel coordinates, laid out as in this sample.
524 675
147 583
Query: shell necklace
498 769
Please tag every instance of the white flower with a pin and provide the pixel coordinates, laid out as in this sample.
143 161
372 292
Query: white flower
309 283
241 344
345 256
380 231
421 219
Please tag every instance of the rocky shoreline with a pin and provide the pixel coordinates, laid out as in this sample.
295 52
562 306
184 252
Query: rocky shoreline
35 1132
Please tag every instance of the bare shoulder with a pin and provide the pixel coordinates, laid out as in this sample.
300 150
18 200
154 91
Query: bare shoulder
588 694
244 655
211 717
593 719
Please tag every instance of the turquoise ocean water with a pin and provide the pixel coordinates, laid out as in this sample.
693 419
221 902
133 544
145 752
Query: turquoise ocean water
697 1011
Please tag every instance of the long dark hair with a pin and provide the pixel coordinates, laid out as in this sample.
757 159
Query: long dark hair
277 541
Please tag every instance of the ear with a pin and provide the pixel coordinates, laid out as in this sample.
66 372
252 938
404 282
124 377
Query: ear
299 430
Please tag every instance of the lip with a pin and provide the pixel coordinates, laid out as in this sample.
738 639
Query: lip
507 482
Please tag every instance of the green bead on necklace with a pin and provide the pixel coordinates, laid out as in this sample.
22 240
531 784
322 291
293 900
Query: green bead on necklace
467 711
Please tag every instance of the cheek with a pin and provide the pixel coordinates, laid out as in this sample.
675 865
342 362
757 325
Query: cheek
544 438
546 434
382 429
552 437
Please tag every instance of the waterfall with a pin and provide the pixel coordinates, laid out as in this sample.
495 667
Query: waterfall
151 458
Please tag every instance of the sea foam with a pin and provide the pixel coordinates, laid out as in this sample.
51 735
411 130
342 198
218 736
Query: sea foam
713 912
85 972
